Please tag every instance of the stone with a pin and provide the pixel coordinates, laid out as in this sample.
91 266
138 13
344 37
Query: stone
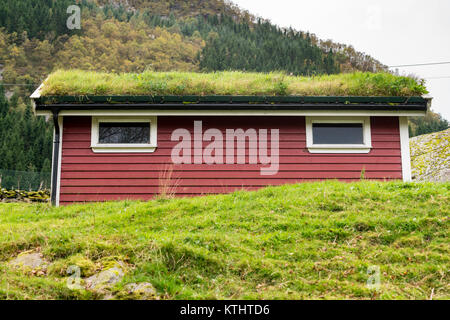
143 290
107 278
430 157
30 261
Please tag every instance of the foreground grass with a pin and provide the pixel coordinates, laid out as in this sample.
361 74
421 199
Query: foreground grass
77 82
308 241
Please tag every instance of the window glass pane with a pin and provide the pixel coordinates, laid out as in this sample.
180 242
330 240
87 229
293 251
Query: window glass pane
122 132
338 133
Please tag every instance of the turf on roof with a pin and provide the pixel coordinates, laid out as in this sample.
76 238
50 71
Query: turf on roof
80 83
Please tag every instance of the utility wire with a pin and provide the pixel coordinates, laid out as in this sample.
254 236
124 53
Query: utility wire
447 77
419 64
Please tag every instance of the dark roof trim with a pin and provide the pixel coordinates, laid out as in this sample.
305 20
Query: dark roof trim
197 107
227 99
231 103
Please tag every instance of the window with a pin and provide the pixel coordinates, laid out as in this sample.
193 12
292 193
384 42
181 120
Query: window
114 134
338 134
124 132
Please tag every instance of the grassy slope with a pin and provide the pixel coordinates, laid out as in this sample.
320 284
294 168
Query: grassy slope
290 242
77 82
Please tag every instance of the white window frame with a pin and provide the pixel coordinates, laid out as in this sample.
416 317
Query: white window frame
124 147
339 148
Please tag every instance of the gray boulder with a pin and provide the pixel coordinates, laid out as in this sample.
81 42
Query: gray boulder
143 291
30 261
106 278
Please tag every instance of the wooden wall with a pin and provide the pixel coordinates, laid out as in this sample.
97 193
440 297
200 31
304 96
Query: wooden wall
88 176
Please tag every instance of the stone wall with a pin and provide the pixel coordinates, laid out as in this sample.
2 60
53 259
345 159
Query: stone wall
25 196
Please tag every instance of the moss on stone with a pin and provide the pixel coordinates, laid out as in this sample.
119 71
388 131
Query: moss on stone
86 265
430 156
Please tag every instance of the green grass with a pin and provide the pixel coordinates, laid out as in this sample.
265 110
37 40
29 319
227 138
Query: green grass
79 83
307 241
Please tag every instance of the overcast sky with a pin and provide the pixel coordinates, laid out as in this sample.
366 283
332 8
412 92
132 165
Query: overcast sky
396 32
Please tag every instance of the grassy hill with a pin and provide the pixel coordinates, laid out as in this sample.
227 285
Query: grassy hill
308 241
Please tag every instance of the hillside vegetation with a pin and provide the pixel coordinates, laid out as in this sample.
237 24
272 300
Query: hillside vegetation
160 36
308 241
81 83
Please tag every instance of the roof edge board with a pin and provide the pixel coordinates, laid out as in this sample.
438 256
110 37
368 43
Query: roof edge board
230 100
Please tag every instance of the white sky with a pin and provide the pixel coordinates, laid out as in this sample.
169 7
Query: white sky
395 32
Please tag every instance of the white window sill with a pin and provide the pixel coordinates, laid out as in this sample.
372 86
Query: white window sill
334 149
124 149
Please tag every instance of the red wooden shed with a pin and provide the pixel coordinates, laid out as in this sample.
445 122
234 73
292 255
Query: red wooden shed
136 147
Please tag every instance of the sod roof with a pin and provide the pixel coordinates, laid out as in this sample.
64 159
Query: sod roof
359 84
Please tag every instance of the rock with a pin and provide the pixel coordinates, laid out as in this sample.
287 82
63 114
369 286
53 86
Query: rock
30 261
106 278
430 157
143 290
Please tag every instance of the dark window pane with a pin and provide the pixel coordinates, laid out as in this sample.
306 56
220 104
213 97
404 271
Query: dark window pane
122 132
338 133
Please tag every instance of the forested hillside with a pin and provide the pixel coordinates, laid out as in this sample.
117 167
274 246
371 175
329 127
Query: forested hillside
159 35
139 35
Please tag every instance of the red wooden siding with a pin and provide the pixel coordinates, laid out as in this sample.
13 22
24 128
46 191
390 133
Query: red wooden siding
89 176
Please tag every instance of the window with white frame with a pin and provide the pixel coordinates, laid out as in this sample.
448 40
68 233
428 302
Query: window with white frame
124 134
338 134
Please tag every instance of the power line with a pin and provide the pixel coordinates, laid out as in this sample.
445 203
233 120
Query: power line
446 77
419 64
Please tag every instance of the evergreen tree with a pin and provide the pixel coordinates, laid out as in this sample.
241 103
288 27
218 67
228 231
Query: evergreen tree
25 146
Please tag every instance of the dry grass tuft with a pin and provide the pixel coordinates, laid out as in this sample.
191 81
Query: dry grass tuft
167 183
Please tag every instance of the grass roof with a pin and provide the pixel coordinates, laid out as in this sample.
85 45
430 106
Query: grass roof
80 83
